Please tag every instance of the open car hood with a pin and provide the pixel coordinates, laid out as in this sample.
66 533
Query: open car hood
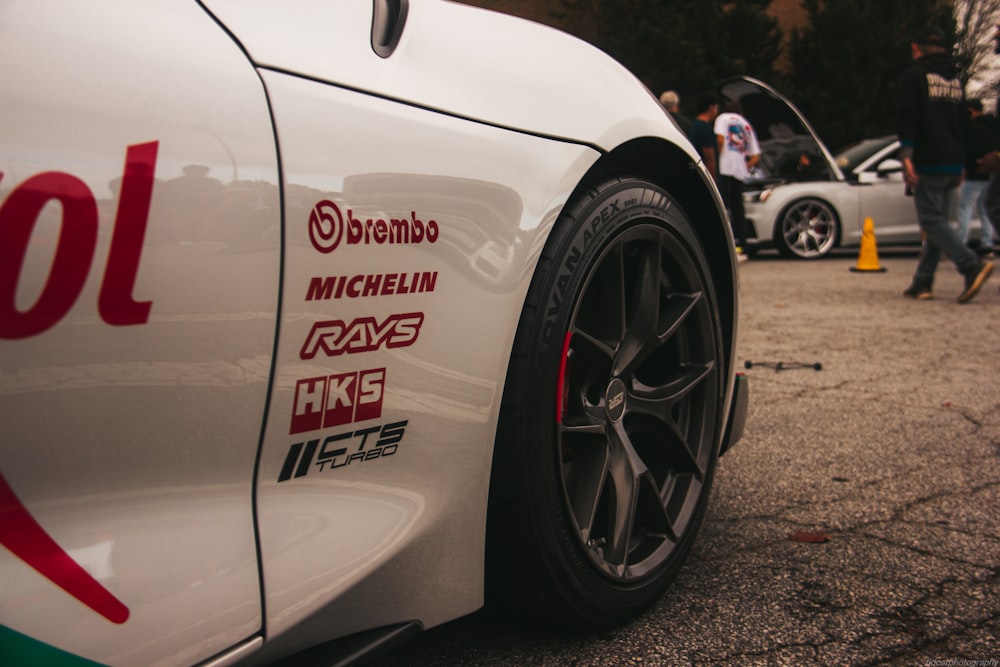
784 134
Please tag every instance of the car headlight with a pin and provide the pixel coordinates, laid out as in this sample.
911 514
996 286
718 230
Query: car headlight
757 196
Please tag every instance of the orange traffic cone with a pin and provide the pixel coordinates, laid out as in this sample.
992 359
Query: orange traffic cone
868 255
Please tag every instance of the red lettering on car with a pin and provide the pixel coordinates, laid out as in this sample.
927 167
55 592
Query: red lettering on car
26 539
76 246
365 334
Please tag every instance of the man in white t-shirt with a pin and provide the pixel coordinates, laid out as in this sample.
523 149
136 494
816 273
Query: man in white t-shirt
738 153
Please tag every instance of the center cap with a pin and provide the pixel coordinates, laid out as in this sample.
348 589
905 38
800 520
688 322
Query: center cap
615 400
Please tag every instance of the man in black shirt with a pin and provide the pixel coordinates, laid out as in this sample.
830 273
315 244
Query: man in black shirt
933 128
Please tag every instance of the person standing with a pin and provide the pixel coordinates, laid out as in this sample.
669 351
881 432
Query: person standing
990 163
702 134
739 153
982 141
671 101
933 127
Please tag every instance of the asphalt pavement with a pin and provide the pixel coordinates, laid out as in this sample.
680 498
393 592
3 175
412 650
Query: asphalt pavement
890 455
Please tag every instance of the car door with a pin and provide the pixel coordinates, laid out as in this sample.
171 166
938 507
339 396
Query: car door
139 271
883 198
411 233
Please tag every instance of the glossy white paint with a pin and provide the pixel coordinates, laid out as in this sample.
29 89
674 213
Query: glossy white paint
133 446
327 530
458 59
136 447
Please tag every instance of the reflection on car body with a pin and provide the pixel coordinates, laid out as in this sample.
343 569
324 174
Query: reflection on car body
323 323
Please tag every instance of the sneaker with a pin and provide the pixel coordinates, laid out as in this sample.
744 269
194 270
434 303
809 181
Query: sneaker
974 280
921 293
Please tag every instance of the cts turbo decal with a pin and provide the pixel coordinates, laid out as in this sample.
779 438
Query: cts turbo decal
335 400
327 229
365 334
342 449
76 245
371 284
27 540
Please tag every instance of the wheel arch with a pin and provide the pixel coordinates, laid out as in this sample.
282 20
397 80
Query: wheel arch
673 169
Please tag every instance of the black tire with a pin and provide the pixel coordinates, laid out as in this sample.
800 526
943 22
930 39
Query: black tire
807 229
621 322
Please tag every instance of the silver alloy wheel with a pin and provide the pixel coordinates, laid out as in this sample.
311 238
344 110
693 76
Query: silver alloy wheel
639 385
809 229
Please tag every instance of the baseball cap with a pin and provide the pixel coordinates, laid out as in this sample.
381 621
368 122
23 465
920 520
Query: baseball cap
931 36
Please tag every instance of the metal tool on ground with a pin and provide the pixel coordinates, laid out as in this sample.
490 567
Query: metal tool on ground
783 365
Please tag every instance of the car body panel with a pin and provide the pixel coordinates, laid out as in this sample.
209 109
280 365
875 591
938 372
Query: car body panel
259 414
442 378
106 391
882 197
443 50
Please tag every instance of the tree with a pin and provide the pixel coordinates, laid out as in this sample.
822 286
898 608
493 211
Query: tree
845 63
689 45
976 21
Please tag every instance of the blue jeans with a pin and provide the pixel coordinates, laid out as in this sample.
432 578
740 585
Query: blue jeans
974 197
932 197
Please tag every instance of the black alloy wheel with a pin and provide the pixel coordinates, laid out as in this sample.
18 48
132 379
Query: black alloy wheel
612 413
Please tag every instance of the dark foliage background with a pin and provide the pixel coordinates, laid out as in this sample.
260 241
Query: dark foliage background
844 64
839 69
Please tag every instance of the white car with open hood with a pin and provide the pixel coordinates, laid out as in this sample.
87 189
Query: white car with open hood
809 201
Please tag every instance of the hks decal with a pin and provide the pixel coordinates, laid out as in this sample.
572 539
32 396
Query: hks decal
335 400
365 334
342 449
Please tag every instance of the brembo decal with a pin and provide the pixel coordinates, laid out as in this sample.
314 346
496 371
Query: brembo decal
76 245
365 334
335 400
26 539
328 229
371 284
342 449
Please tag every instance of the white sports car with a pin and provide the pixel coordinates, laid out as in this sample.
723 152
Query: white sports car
322 323
807 201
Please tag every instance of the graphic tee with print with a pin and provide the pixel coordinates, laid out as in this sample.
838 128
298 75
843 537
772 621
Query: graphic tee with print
739 141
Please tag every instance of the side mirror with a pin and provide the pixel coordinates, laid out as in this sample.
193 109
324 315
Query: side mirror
889 166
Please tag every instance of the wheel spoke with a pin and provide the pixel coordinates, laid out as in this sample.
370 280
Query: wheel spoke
643 312
809 228
637 435
679 307
587 480
626 471
597 343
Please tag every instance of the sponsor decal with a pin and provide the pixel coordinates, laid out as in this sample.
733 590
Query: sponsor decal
26 539
335 400
342 449
329 227
76 245
370 284
365 334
